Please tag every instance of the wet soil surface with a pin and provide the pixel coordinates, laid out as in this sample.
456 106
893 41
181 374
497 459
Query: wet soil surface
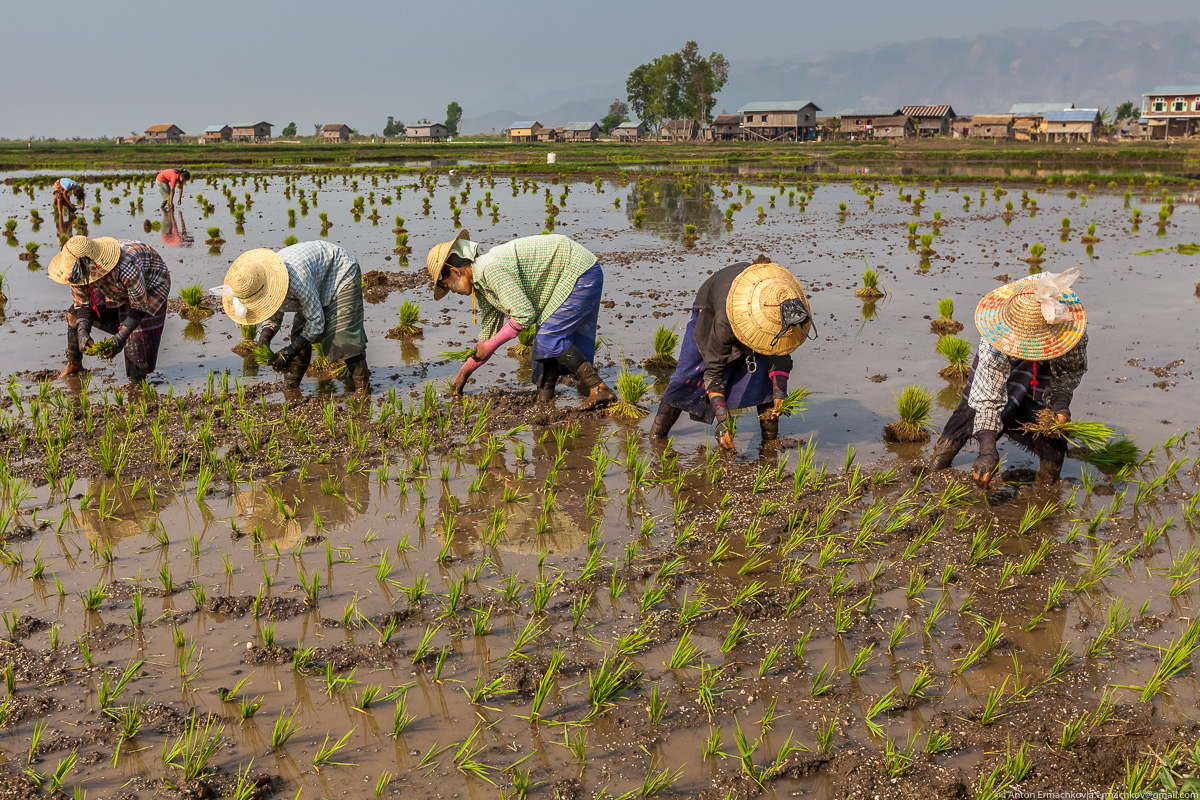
404 592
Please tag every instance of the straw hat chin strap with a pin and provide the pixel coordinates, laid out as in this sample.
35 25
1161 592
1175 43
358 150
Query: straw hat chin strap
225 290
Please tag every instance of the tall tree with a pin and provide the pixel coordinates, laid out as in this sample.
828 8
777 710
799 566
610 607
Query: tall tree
1126 110
680 85
453 117
289 129
618 112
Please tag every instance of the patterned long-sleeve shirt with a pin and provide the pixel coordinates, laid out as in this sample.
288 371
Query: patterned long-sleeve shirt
316 272
526 280
140 280
989 383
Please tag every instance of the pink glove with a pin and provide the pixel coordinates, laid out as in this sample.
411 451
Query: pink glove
464 373
505 334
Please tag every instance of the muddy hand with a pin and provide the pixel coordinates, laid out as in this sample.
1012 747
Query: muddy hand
726 441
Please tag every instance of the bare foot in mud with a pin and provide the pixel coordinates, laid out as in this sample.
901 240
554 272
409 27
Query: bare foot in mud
71 369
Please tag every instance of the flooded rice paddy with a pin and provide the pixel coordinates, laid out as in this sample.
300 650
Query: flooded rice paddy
212 589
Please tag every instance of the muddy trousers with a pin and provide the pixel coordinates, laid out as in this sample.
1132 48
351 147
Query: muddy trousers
668 415
572 362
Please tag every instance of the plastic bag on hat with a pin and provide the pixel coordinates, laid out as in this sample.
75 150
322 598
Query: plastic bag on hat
225 290
1050 289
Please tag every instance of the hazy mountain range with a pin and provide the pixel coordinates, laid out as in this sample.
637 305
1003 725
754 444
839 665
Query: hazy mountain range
1086 63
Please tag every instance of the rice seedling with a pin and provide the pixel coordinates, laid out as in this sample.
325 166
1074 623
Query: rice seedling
957 351
1090 435
913 405
630 389
606 682
101 348
1114 455
407 326
193 749
284 728
326 752
665 342
457 355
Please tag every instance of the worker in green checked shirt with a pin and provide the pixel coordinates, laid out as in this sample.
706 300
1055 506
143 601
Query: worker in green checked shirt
548 281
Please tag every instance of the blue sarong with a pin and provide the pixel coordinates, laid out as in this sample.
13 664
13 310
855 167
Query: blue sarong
572 323
747 380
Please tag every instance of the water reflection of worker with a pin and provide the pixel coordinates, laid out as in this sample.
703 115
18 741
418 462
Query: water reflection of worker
746 321
549 281
174 233
64 189
1031 327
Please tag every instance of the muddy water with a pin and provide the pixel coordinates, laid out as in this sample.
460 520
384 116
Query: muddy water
370 534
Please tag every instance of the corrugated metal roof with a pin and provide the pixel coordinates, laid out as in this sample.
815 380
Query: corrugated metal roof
215 128
1037 109
925 111
526 123
579 126
1173 90
777 105
250 124
867 112
992 119
634 125
1072 115
890 122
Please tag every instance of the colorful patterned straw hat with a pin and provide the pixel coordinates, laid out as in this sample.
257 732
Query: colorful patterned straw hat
437 259
259 279
104 252
753 309
1015 317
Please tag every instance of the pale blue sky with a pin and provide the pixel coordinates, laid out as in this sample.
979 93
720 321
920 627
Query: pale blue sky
88 68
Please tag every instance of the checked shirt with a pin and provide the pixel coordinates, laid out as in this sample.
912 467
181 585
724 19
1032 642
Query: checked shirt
316 271
990 382
527 279
140 280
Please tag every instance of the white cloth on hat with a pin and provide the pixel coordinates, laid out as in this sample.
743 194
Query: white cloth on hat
225 290
1050 290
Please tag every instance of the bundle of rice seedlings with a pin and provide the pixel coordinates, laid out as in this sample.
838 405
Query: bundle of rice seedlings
249 332
945 323
409 312
524 345
458 355
665 342
1090 237
926 241
263 354
1090 435
321 365
1066 226
912 231
214 237
290 240
630 389
101 348
1114 455
870 289
958 352
913 405
795 403
1035 254
399 226
192 295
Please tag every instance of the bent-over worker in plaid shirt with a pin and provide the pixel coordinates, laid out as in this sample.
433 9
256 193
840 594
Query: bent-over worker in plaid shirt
120 287
1032 356
321 283
548 281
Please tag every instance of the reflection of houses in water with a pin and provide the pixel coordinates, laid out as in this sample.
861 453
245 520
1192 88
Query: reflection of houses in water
676 208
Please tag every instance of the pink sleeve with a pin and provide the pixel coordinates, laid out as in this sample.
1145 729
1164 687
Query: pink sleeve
505 334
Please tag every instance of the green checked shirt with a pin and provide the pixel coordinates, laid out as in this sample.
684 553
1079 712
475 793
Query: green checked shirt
526 280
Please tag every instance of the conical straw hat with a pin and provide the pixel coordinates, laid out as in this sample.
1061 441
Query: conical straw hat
753 309
104 252
1011 319
437 259
258 278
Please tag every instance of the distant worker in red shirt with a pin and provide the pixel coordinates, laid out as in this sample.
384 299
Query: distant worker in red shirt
167 180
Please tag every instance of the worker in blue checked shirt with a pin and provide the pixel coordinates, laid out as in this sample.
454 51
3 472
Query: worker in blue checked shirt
322 283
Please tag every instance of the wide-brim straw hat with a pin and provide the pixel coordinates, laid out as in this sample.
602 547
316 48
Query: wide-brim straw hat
1011 319
753 309
104 252
436 260
259 279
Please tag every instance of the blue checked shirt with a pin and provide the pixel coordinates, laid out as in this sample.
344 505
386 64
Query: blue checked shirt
989 383
316 272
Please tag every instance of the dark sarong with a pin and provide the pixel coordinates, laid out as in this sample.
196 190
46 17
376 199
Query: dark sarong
141 348
573 323
345 335
747 380
1024 401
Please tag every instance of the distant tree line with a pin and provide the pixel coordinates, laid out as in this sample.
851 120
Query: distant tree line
682 85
